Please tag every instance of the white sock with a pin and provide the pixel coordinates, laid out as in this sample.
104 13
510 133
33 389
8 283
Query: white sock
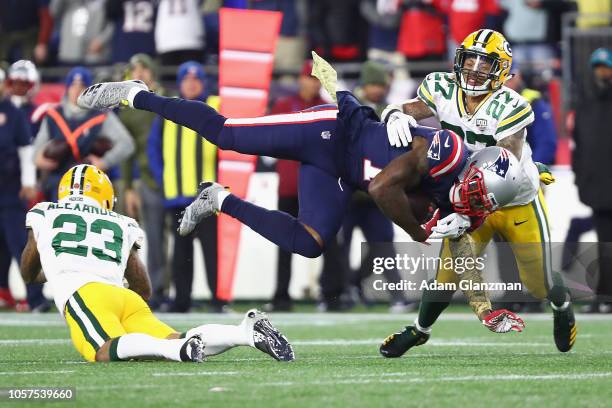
222 337
426 330
138 345
221 196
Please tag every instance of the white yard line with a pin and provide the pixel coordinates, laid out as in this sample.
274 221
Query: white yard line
444 343
284 319
120 387
9 373
194 374
465 342
23 342
382 380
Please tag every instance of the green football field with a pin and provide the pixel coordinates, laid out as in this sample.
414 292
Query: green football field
337 365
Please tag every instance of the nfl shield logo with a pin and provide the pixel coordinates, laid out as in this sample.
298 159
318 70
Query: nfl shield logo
481 124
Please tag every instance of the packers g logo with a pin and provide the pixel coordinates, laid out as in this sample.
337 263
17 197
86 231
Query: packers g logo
507 48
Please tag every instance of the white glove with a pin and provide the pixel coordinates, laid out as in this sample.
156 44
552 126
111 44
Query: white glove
387 6
451 226
398 125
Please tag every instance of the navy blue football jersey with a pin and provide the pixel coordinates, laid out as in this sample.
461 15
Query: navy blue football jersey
368 150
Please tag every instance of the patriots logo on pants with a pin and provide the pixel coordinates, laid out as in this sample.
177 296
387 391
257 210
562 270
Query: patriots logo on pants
501 164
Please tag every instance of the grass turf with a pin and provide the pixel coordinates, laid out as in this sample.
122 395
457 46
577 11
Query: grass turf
337 365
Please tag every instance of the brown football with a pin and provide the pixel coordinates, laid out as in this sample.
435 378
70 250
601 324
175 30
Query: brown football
421 204
100 146
56 149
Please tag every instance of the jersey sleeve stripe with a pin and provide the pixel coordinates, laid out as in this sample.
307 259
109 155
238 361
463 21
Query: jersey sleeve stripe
426 97
453 160
425 85
37 211
514 115
299 117
524 118
516 110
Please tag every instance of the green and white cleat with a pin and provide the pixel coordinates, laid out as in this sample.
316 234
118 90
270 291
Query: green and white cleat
326 74
109 95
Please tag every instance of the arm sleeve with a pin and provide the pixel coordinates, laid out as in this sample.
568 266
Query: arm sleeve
35 217
23 135
127 171
26 162
518 118
46 24
128 166
195 115
42 137
136 234
106 34
425 92
123 145
154 151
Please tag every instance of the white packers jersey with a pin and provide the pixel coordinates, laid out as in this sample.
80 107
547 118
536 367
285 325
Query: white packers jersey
80 243
501 114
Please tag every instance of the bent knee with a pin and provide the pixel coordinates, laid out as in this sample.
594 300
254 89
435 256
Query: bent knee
307 241
312 251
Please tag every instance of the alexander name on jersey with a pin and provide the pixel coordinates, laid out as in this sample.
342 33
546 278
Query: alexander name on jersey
92 209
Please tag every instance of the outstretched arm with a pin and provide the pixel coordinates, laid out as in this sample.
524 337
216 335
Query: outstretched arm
417 109
31 269
388 188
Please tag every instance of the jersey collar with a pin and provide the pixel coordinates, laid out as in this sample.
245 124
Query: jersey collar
462 104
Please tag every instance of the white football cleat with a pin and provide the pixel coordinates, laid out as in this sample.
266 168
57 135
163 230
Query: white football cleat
109 95
205 205
266 337
193 349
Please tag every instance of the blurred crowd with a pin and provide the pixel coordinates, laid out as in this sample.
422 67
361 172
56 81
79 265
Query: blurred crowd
157 165
94 32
